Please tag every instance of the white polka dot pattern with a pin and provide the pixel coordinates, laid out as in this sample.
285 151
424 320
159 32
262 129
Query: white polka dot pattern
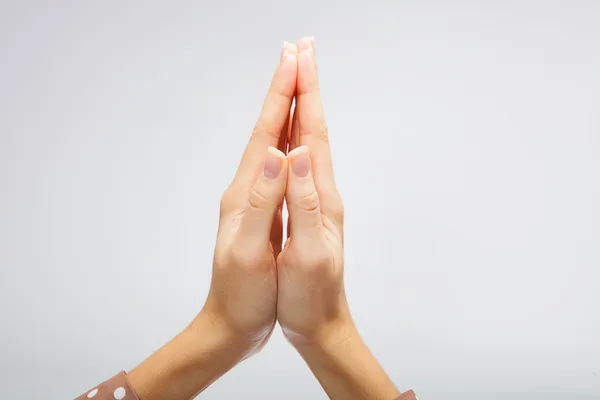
119 393
116 388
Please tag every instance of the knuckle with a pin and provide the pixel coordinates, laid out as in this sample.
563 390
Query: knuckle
226 200
338 207
258 199
323 130
319 129
310 202
262 128
333 204
233 198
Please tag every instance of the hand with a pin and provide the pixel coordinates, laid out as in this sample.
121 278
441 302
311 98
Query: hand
311 306
243 291
241 307
312 300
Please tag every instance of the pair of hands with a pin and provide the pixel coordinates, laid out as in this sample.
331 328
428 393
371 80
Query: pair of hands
255 280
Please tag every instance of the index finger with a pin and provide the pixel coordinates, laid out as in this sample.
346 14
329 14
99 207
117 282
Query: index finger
311 129
273 117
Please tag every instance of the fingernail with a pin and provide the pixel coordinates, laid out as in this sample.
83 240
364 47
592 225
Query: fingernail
305 43
301 163
284 54
310 51
292 48
272 166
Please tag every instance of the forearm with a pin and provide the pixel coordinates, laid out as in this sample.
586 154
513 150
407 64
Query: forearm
346 368
189 363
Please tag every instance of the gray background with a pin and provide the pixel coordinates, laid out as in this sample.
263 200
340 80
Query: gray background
466 145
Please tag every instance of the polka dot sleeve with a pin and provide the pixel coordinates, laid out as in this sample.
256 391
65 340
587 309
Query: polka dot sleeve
116 388
410 395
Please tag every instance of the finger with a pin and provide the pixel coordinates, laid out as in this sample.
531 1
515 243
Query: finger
302 198
311 130
294 135
274 114
277 227
284 137
293 140
265 198
304 43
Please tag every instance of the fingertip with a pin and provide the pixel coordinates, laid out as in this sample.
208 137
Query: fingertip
298 150
287 73
305 42
289 52
276 152
307 73
290 47
288 59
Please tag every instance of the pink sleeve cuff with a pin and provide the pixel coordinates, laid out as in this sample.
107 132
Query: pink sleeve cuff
116 388
410 395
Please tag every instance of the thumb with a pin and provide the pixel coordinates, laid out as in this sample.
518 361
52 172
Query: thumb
265 198
302 198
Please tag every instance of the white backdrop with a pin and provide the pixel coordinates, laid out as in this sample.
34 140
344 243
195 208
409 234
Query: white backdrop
466 145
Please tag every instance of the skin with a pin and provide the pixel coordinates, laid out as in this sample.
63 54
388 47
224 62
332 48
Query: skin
255 281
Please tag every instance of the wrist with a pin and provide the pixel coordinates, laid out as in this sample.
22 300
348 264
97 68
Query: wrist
330 346
344 365
327 338
211 324
196 357
326 335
